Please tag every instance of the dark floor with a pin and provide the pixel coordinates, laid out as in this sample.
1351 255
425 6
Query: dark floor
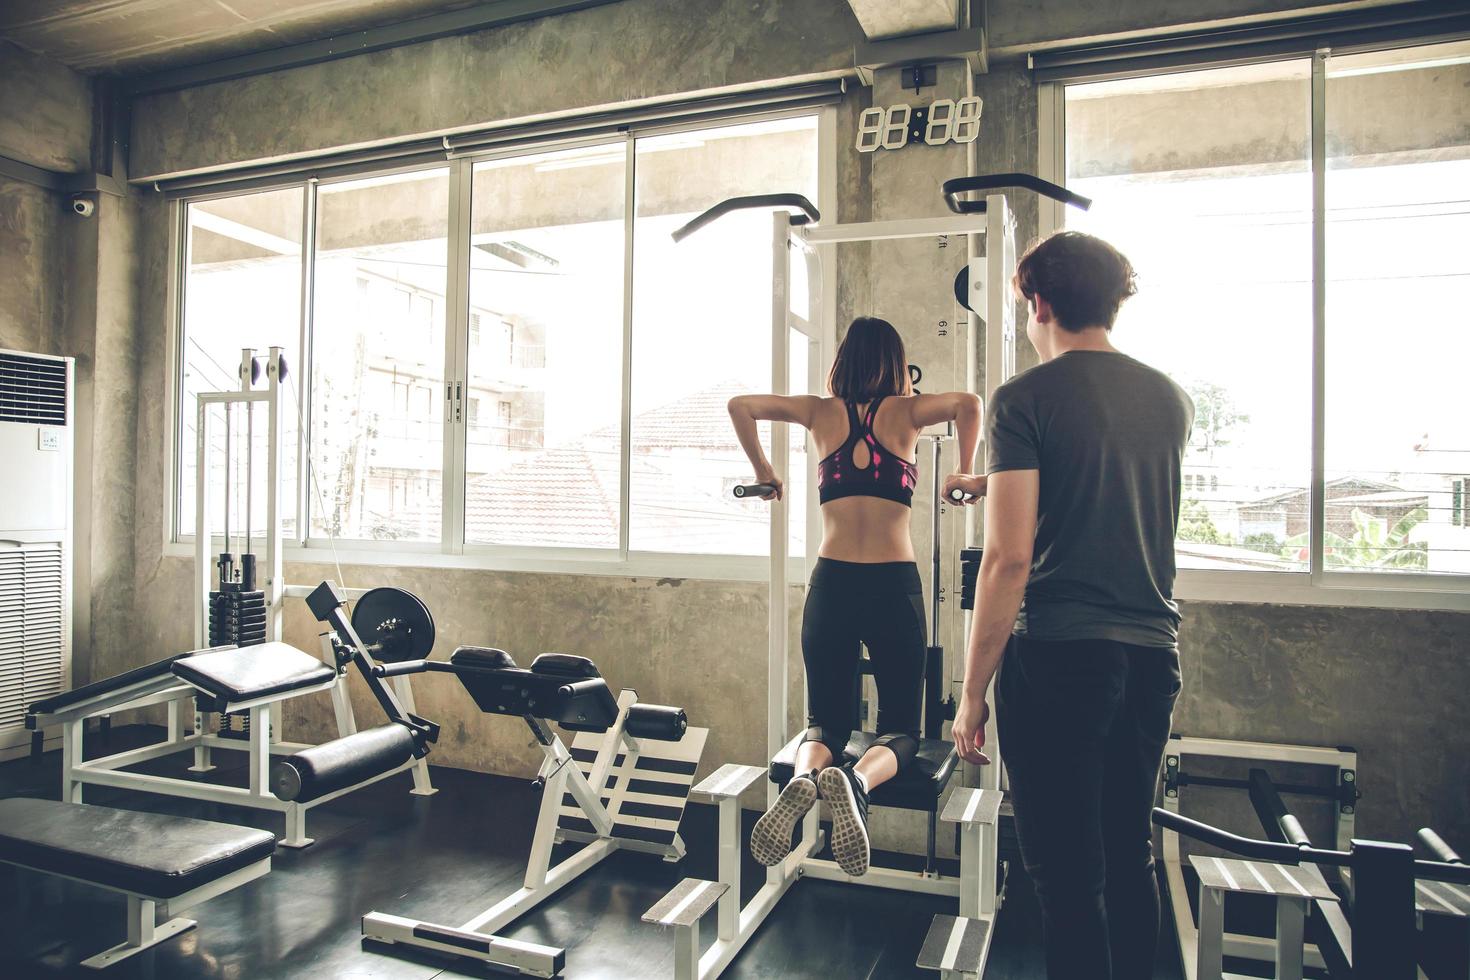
445 858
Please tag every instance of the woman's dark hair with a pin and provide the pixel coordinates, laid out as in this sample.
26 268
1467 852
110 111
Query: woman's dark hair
1084 279
870 362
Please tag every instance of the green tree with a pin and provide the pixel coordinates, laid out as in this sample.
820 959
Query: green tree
1373 545
1195 524
1215 415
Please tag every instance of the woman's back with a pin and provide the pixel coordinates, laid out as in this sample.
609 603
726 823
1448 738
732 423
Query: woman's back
860 526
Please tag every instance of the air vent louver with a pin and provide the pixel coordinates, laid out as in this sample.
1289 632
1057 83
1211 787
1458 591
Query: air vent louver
32 389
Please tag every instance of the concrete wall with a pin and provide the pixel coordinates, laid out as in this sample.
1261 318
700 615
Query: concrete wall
32 223
1389 682
45 113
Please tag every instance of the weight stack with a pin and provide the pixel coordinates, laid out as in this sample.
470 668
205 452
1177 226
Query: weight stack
969 575
238 617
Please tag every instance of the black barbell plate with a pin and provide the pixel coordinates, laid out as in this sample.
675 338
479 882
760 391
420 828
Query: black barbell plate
388 613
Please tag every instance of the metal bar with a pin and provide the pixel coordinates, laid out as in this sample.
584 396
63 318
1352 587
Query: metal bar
457 355
873 231
1316 524
889 878
306 335
625 417
780 528
1263 751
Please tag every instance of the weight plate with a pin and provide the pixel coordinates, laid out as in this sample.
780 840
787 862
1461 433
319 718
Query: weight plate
396 621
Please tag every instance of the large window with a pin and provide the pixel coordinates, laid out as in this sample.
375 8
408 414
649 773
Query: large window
503 354
1205 179
701 332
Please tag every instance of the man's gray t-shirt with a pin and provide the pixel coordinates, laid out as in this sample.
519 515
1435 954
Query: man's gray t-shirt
1107 434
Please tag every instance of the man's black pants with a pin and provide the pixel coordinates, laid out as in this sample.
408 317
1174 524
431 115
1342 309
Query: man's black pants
1083 726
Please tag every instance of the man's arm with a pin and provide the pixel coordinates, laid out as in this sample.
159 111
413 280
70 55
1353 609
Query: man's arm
1010 538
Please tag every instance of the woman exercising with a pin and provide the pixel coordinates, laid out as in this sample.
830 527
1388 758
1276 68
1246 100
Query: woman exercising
865 588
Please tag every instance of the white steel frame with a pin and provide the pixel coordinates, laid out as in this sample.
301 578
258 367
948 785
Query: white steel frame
451 551
1345 764
976 888
560 775
179 696
1317 586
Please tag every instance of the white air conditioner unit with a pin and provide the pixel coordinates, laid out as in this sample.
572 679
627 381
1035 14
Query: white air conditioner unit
36 428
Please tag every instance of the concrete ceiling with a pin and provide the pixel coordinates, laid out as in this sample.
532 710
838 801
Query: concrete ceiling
131 36
897 18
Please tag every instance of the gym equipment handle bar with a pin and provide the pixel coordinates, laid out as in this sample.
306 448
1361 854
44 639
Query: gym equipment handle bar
752 490
809 213
1266 850
989 182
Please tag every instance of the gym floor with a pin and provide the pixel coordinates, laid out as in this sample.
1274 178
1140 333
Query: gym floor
444 858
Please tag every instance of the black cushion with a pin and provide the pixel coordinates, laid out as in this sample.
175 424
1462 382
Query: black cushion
146 672
917 787
150 854
247 673
488 657
564 665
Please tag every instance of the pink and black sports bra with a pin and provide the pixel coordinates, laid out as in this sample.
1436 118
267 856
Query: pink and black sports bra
887 474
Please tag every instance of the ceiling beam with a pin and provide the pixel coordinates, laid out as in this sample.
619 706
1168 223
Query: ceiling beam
497 13
882 19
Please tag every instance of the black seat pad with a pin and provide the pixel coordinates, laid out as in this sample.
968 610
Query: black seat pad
150 854
917 787
489 658
247 673
108 684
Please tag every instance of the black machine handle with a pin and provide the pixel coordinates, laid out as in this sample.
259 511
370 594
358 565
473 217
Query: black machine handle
1436 845
411 667
809 213
753 490
1266 850
959 496
1261 850
989 182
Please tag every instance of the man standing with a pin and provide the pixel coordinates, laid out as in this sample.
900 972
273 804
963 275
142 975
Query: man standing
1076 595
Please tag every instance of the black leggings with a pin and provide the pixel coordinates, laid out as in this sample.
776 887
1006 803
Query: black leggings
881 606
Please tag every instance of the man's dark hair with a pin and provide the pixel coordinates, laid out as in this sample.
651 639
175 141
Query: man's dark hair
870 362
1084 279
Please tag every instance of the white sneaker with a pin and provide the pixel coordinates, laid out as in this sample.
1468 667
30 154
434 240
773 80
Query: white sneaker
770 841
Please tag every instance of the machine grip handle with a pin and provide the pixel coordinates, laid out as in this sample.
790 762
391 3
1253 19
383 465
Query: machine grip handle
753 490
809 213
1436 845
988 182
326 768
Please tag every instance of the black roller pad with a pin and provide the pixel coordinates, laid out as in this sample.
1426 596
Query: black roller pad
660 722
917 787
340 763
151 854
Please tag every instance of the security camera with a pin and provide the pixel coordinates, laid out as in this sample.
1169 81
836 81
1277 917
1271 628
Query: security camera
83 205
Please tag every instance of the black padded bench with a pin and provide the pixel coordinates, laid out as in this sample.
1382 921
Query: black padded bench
151 858
918 787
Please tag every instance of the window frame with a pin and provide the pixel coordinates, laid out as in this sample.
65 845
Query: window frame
452 551
1317 586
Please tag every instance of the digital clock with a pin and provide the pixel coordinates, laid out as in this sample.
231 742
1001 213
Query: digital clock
896 126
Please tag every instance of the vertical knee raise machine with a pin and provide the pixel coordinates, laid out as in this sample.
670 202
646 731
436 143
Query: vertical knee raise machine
622 785
957 945
1364 930
245 671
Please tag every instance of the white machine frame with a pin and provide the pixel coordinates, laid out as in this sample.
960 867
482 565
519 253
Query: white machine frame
617 754
264 739
1261 949
974 810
